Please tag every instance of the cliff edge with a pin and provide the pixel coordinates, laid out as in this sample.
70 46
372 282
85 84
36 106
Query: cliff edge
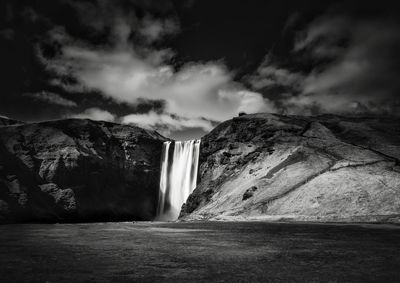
275 167
78 170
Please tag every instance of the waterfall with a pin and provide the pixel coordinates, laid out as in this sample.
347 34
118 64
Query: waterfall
163 177
178 177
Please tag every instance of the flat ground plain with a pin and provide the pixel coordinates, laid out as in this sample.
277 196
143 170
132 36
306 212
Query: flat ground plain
198 252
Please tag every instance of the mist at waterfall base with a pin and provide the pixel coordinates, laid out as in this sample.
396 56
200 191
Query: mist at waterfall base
178 177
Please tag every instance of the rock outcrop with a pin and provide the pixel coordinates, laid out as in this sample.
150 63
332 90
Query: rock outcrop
4 121
274 167
78 170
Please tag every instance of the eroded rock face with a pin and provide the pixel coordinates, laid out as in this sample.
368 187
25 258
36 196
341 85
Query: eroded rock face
78 170
325 168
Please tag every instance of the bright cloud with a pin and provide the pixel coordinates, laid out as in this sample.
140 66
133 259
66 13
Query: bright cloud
95 114
194 95
247 101
165 123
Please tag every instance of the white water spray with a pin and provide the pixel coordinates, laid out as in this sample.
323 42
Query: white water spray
163 177
178 177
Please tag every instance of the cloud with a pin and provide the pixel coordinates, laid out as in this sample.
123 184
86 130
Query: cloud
269 74
354 70
247 101
323 36
123 75
155 29
165 123
52 98
94 114
196 93
364 71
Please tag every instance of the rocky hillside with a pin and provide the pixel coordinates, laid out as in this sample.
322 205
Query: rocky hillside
5 121
77 170
325 168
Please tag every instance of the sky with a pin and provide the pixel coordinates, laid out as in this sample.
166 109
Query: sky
182 66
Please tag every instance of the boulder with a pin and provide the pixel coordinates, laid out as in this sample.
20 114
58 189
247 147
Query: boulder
249 193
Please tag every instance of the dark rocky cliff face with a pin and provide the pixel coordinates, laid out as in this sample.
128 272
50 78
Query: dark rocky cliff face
325 168
78 170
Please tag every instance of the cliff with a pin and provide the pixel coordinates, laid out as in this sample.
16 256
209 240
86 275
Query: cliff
274 167
78 170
